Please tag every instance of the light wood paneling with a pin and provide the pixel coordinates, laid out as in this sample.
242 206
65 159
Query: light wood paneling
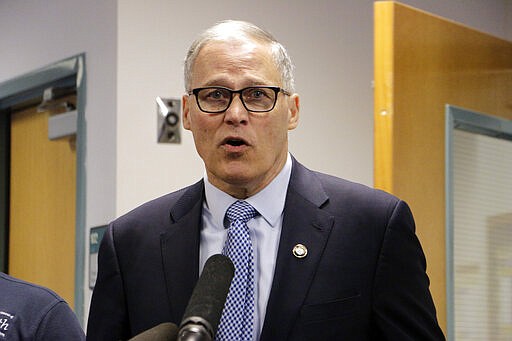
422 63
42 205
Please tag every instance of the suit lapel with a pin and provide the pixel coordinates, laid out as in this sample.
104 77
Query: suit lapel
180 249
303 223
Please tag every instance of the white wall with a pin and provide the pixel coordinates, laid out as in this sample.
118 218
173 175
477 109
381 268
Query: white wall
134 51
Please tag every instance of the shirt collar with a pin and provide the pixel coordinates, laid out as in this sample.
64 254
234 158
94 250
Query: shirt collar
269 202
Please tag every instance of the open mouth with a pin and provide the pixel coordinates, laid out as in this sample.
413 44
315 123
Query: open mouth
235 142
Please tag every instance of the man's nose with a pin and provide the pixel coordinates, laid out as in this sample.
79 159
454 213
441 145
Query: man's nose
236 113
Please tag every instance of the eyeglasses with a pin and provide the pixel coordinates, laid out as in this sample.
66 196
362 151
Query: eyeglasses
216 99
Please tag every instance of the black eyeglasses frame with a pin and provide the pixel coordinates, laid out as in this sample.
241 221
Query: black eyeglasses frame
276 90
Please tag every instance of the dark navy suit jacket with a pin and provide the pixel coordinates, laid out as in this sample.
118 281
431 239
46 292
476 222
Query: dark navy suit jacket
363 277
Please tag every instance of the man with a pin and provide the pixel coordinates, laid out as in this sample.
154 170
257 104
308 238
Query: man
31 312
327 260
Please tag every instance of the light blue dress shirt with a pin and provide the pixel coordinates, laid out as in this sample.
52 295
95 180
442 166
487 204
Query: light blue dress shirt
264 231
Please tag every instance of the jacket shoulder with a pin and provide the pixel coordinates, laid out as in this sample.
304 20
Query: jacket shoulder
332 190
173 204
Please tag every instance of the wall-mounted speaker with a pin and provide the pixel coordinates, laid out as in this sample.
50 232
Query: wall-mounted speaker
168 120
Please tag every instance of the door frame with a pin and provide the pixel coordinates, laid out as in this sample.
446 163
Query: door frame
29 87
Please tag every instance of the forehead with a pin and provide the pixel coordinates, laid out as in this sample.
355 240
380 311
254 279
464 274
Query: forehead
235 61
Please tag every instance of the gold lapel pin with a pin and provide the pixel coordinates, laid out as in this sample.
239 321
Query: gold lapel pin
300 251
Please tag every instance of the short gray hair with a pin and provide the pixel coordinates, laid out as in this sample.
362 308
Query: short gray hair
237 30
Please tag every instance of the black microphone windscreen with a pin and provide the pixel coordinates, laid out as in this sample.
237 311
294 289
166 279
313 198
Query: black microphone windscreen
210 293
166 331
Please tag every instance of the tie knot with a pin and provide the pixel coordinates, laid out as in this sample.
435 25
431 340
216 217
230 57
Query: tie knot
241 211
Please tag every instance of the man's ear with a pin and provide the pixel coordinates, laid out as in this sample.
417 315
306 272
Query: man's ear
293 111
185 106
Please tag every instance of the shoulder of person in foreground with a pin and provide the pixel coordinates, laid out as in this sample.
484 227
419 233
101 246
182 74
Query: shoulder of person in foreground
32 312
159 208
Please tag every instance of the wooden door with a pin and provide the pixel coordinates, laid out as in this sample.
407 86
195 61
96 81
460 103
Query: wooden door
42 204
422 63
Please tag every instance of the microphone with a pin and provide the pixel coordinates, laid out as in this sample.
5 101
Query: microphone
166 331
203 312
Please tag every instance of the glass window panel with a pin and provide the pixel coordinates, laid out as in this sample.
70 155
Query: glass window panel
482 237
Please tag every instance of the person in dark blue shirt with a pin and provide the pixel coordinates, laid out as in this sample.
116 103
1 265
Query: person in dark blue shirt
32 312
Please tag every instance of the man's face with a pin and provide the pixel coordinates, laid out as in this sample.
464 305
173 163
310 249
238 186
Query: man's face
242 151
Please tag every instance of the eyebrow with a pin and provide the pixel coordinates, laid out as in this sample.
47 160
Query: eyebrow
223 82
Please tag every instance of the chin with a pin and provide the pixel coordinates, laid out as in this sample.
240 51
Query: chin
237 178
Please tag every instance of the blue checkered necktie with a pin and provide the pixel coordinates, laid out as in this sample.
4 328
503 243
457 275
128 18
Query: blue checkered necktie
237 319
